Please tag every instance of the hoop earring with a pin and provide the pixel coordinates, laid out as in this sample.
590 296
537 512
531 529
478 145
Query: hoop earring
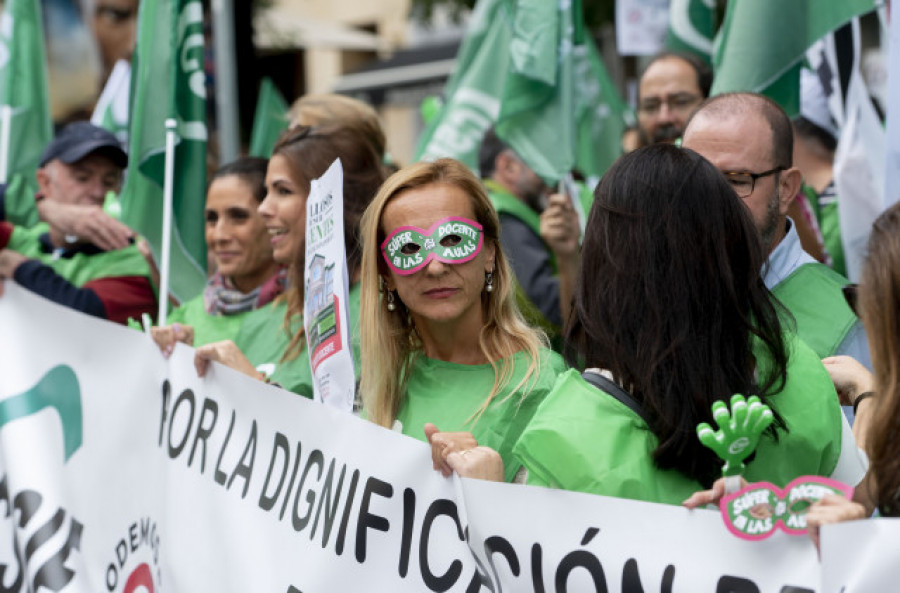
390 301
489 281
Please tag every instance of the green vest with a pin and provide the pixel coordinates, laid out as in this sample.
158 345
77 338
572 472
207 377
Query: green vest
506 203
448 394
263 340
812 293
81 268
207 328
585 440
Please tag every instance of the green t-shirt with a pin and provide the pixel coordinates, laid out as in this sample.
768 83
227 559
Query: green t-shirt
207 328
263 340
585 440
448 394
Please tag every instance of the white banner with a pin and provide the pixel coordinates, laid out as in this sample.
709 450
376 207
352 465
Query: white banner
120 469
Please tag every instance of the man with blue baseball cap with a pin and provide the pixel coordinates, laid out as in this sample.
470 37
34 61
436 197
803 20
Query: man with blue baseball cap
79 167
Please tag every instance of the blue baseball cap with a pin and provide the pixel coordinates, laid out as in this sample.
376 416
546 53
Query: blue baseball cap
81 138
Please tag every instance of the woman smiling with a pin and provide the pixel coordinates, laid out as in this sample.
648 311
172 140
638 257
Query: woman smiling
246 277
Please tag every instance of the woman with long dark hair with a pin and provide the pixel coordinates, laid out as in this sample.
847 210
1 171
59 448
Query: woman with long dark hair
671 315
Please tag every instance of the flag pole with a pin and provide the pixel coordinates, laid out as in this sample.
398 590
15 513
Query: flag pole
168 191
5 123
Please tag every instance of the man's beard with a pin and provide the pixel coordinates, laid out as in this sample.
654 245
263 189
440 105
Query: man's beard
770 223
665 133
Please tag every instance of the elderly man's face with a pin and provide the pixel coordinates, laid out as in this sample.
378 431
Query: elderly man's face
114 26
85 182
743 144
667 94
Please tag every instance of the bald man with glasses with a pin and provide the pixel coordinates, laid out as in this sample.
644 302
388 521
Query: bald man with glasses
749 138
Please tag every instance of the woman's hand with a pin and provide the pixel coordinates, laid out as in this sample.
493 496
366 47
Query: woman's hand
481 463
850 378
831 509
227 353
445 443
166 337
460 452
713 495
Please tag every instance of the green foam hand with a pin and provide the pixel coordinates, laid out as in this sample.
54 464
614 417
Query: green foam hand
739 431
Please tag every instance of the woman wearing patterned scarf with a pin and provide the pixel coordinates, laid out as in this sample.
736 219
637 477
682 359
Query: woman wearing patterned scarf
247 277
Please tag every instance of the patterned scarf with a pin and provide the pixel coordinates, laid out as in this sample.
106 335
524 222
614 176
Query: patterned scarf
220 297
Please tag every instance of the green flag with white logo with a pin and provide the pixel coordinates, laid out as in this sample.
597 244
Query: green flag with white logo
168 81
525 67
692 27
269 121
762 44
24 106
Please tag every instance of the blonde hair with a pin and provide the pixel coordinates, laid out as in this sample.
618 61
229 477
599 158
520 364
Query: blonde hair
332 109
879 300
389 341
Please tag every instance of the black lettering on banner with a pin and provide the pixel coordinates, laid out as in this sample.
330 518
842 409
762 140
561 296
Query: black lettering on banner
439 507
243 469
145 531
186 396
342 532
537 568
631 578
280 444
409 517
500 545
121 553
481 578
580 559
27 503
166 394
112 577
730 584
367 520
325 500
53 574
219 476
133 536
204 432
20 561
315 458
290 485
44 533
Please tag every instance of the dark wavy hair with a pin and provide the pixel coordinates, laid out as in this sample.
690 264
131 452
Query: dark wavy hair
670 298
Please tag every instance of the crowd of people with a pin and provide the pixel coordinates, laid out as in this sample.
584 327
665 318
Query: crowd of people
485 324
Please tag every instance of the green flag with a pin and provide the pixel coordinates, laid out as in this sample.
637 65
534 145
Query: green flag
168 81
23 96
525 67
692 27
269 121
762 44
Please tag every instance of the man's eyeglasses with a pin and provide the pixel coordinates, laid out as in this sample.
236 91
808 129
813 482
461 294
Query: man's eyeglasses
679 102
743 182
